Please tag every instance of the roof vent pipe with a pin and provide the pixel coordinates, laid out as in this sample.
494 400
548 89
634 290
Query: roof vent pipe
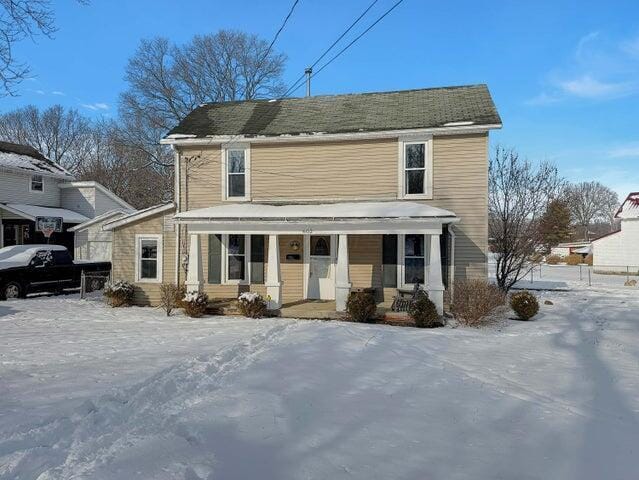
308 72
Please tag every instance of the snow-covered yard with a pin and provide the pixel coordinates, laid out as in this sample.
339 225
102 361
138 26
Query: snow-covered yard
92 392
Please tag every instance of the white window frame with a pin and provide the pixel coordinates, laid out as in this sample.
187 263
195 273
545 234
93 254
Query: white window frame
401 260
138 258
247 172
31 189
428 168
247 261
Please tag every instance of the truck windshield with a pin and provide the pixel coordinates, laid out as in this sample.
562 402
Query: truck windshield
61 257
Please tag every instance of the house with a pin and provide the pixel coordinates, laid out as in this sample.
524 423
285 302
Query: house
33 186
309 198
618 250
565 249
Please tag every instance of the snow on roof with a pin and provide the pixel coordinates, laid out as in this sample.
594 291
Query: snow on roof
24 157
107 216
344 210
138 215
33 211
630 207
21 255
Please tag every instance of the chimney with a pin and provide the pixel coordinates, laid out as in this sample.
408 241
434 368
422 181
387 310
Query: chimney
308 72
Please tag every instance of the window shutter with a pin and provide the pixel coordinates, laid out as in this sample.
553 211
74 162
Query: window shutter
389 260
257 259
215 259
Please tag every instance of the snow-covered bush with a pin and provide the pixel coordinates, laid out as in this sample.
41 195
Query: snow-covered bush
524 304
251 305
361 306
474 300
574 259
195 303
119 293
424 312
553 259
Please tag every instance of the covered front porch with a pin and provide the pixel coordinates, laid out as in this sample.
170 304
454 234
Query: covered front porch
297 254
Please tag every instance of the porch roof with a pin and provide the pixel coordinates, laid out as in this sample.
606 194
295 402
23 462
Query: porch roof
327 217
30 212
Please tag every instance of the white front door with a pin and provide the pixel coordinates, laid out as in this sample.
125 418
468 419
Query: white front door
320 260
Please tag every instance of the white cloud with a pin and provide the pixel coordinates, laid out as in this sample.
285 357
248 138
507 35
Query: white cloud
96 106
39 92
631 47
586 86
59 93
543 98
630 150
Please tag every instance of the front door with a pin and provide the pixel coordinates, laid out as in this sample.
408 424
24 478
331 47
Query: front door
321 282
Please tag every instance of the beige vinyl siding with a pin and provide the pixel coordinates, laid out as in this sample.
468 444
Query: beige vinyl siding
358 170
124 256
365 260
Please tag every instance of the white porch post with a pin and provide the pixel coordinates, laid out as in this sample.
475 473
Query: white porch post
194 275
273 280
435 286
342 280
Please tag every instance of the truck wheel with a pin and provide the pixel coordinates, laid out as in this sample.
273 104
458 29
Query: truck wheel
12 290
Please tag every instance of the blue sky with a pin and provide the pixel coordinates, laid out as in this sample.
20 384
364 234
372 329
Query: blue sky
564 74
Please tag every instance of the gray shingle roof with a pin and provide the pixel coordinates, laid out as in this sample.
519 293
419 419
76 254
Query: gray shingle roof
25 157
365 112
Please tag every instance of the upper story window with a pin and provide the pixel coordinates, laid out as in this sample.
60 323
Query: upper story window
416 169
36 184
236 172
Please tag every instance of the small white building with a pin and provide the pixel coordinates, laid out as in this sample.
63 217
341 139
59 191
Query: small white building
618 250
93 243
565 249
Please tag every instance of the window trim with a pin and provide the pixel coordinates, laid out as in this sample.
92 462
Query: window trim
247 261
427 141
138 257
31 189
247 172
401 259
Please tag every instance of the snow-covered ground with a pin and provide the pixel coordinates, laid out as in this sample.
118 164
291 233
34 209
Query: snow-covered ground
92 392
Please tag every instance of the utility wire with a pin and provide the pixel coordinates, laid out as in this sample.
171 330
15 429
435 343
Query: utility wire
277 34
291 89
352 42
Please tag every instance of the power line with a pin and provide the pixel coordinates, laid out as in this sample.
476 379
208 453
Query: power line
353 41
291 89
277 34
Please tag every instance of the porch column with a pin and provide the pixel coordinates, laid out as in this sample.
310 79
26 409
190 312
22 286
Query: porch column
342 280
435 286
273 280
194 275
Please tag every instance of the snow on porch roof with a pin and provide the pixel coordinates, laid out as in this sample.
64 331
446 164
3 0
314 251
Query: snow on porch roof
32 211
338 211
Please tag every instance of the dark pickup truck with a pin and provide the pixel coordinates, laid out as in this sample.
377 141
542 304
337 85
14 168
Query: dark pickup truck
43 268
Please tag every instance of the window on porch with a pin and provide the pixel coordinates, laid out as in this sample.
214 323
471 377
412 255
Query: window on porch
414 259
236 259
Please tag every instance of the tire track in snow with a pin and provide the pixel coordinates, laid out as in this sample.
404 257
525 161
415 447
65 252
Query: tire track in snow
74 446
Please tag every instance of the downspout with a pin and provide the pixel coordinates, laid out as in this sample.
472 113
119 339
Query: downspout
177 209
451 268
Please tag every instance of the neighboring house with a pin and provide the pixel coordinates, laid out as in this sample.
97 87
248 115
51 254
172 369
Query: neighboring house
33 186
620 249
565 249
309 198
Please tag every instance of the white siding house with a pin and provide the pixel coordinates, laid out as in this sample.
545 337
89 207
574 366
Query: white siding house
618 250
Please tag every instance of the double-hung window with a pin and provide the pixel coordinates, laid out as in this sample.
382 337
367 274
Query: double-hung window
36 184
416 169
148 258
236 258
237 173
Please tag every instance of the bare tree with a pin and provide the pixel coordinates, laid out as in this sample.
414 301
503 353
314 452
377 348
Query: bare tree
167 81
60 135
21 19
591 202
519 193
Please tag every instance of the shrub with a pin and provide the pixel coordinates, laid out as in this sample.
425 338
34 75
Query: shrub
588 260
195 303
361 306
251 305
536 257
574 259
424 312
168 297
474 300
524 304
553 259
119 294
